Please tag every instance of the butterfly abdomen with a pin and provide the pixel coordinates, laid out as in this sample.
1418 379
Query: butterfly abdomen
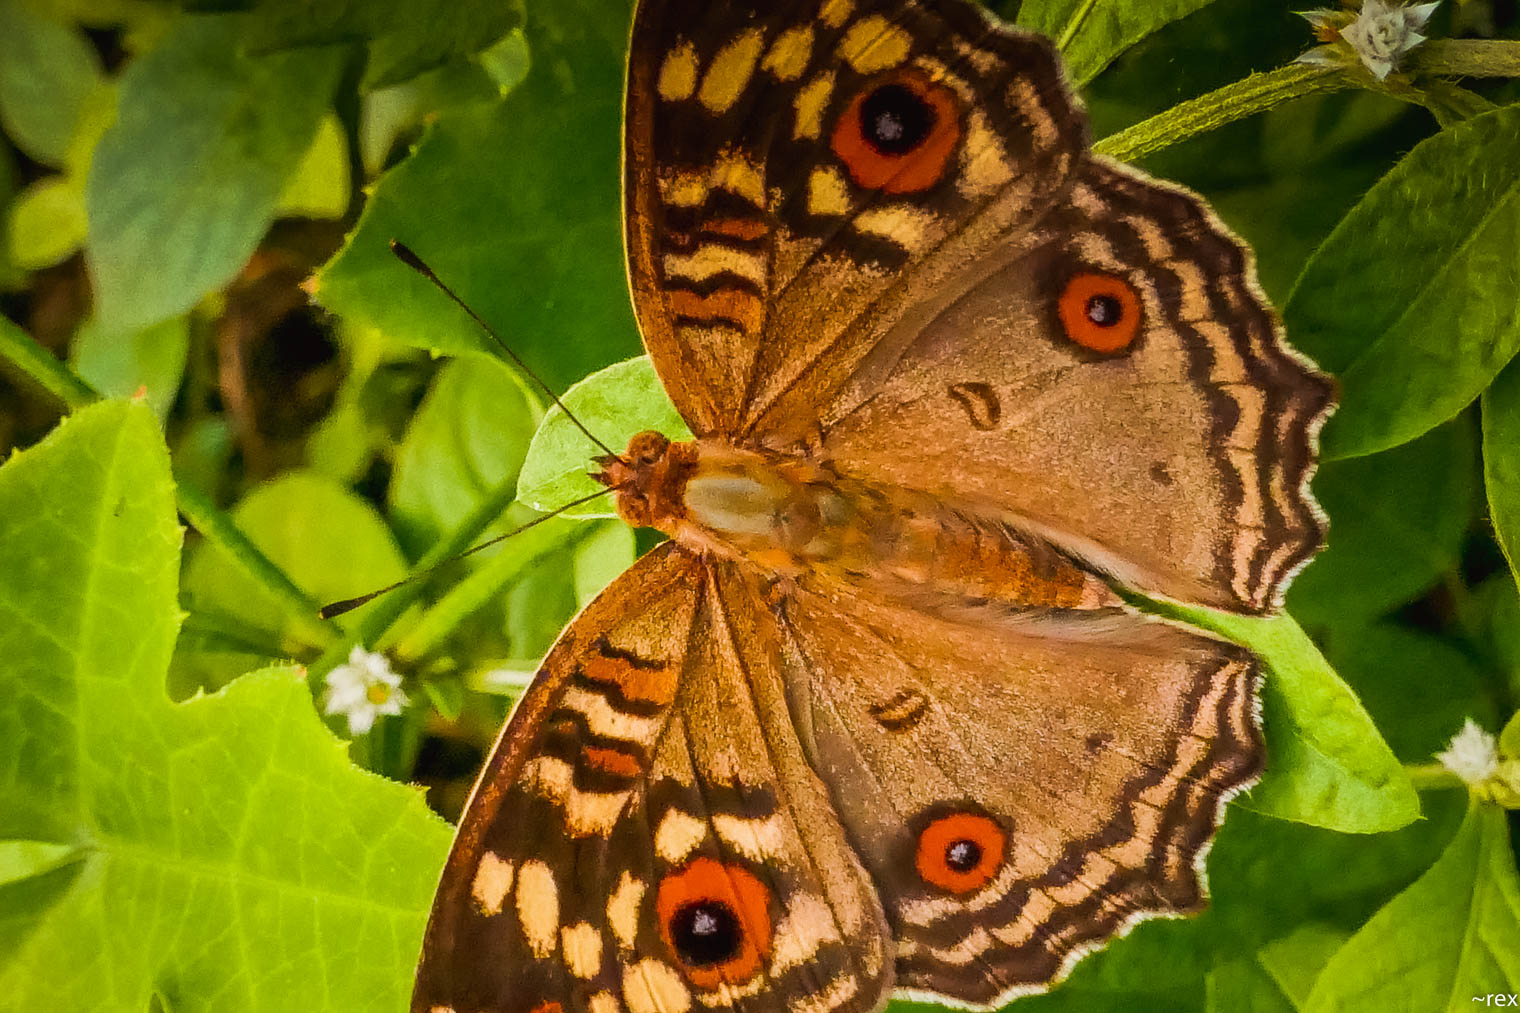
794 516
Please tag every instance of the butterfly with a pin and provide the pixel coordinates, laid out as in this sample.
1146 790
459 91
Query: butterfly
874 720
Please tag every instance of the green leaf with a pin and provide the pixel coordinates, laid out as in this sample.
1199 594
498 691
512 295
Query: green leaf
1296 960
1243 986
516 206
1501 461
1444 941
229 857
333 544
1329 766
318 188
1418 687
47 71
185 184
119 365
1509 738
47 223
469 436
1397 523
601 558
1410 300
1090 33
404 37
615 403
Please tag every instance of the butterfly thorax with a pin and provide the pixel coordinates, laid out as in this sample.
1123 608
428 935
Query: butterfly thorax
794 516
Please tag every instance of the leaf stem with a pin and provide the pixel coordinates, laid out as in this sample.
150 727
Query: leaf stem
1070 31
43 368
378 618
1468 57
1432 776
1236 101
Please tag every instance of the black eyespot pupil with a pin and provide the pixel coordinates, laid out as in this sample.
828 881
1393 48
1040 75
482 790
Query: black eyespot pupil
1104 310
894 120
963 856
706 932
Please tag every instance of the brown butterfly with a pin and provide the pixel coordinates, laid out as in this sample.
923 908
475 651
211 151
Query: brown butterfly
873 718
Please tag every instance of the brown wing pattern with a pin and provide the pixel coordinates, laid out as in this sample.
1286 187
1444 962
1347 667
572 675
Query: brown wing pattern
1019 795
769 246
1178 462
648 837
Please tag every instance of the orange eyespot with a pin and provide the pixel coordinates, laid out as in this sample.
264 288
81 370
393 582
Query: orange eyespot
898 132
715 917
548 1007
1100 312
960 852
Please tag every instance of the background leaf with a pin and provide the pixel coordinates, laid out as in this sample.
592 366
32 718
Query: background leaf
1407 301
614 403
47 71
185 184
516 206
1448 938
1092 32
181 816
1501 461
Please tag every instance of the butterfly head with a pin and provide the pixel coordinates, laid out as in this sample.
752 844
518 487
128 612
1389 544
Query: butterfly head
649 479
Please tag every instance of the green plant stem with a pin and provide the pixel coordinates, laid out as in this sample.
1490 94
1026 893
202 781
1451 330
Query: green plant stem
1432 776
1468 57
53 376
465 598
378 617
1244 98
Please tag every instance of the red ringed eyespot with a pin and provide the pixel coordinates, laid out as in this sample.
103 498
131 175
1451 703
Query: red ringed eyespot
1100 312
897 134
960 852
715 917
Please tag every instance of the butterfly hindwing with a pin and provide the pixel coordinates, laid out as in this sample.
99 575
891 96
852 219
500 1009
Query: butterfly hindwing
1171 448
1022 788
648 836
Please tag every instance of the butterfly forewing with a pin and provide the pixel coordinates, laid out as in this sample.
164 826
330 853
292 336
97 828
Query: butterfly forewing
769 237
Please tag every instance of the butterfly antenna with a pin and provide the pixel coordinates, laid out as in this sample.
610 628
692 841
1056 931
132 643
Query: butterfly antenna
337 608
407 256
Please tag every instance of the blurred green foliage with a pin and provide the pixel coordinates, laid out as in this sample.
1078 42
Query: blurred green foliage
197 201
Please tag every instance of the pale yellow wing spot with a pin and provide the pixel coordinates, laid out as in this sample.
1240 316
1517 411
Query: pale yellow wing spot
789 54
678 74
623 909
679 834
604 1002
538 908
739 175
875 44
730 71
581 946
759 840
827 193
910 227
836 12
492 883
652 986
812 99
984 162
587 813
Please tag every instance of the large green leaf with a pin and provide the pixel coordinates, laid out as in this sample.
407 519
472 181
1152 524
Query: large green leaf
187 181
1410 301
1447 940
1501 461
614 404
219 854
1092 32
1397 523
516 206
47 71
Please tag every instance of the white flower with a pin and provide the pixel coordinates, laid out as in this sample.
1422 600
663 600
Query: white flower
1383 32
362 689
1472 754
